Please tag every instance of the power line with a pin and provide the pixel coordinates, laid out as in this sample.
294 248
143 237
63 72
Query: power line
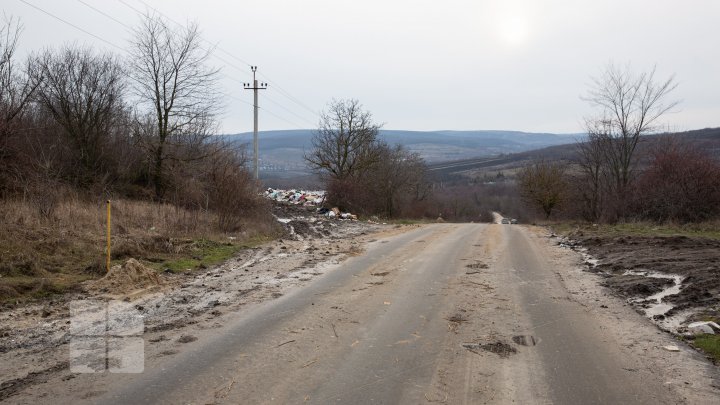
228 95
177 23
288 110
124 50
294 124
182 26
72 25
269 99
106 15
255 86
140 13
288 95
281 90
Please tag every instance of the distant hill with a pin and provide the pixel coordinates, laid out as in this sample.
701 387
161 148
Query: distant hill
707 139
282 151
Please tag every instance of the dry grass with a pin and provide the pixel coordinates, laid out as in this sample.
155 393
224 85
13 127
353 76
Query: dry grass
708 229
45 253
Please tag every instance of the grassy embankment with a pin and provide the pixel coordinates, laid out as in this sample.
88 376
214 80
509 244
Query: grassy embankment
42 255
710 230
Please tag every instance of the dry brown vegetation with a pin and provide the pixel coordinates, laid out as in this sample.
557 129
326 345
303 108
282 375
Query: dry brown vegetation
47 254
79 126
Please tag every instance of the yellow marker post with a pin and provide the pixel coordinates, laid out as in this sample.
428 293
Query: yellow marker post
107 264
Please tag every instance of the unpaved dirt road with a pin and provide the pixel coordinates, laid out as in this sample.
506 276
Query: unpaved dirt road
443 313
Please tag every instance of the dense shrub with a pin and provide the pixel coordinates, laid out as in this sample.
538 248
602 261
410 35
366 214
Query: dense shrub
681 184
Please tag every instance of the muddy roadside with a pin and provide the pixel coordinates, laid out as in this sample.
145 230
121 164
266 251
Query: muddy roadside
34 337
673 280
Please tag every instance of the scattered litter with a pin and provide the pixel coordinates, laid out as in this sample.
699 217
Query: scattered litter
335 212
306 198
671 348
296 197
699 328
386 302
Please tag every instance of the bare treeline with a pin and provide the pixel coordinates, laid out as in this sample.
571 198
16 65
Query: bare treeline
139 126
362 173
616 177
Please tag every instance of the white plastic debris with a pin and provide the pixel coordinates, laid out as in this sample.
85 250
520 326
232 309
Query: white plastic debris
296 197
699 328
671 348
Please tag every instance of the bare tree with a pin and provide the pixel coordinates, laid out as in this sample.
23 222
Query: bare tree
345 143
630 105
83 93
398 178
16 88
173 80
543 185
592 185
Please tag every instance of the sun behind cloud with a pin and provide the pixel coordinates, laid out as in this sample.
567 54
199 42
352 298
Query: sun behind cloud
513 30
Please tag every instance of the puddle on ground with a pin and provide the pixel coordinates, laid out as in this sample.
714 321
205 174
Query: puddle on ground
657 306
525 340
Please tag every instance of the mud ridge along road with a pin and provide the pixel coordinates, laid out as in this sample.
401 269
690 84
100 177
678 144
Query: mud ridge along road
440 313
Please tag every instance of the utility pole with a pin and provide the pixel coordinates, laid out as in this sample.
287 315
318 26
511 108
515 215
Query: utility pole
255 87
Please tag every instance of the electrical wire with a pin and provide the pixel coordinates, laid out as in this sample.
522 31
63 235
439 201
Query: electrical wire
106 15
294 124
281 90
124 50
72 25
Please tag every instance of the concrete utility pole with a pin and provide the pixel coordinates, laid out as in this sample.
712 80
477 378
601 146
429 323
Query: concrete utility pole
255 87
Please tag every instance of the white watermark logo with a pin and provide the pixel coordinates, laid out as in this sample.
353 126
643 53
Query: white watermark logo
106 336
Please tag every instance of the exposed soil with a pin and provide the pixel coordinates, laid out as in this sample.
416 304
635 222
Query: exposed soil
626 260
495 335
34 336
129 277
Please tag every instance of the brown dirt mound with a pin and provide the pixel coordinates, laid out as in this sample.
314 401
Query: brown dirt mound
697 259
129 277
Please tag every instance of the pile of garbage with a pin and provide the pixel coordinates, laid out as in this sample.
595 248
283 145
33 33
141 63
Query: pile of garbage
296 197
293 200
335 213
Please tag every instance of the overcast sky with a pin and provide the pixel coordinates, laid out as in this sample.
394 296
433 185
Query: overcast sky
423 65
